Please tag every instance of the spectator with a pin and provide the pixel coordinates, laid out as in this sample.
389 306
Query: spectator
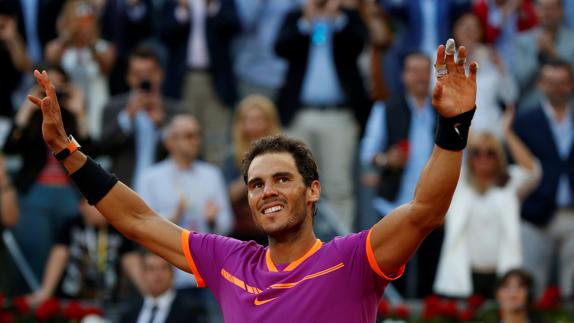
85 56
125 24
133 120
489 195
9 214
323 99
495 85
502 20
47 196
84 263
14 60
189 192
257 67
548 213
198 35
550 41
161 303
388 147
514 294
256 117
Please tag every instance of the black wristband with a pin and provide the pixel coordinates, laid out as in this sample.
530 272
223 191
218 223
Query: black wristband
93 181
452 133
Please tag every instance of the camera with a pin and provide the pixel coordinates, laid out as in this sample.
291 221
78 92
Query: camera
145 86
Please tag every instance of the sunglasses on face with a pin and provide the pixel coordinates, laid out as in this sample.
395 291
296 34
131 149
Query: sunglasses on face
488 153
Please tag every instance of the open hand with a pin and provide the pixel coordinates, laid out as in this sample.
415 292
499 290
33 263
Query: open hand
52 125
454 92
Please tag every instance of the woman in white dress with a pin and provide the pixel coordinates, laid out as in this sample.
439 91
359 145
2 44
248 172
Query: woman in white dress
85 56
482 228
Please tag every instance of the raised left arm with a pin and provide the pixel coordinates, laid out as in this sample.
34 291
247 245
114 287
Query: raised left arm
396 237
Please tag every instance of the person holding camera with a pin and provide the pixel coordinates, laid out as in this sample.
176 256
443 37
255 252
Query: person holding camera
132 121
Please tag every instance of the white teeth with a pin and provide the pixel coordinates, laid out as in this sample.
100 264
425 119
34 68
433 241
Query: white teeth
273 209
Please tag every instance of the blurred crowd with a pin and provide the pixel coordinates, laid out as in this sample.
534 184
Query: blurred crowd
169 94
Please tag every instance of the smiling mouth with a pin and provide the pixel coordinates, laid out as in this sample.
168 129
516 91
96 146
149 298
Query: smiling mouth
273 209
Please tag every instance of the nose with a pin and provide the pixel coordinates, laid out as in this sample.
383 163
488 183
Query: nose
269 190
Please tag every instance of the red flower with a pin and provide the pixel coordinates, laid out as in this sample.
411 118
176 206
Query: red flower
402 311
476 301
21 304
6 317
384 307
47 310
73 311
550 299
449 308
93 310
431 307
466 315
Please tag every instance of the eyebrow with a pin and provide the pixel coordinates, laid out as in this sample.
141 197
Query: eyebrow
275 175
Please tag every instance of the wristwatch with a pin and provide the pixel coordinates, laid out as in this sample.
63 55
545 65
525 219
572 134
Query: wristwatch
71 147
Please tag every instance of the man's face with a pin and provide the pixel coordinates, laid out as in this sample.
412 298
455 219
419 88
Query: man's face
279 200
416 75
184 138
158 274
144 70
549 13
556 84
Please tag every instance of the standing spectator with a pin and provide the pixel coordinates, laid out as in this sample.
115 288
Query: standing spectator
47 196
125 23
548 213
550 41
14 60
514 294
495 85
323 99
198 35
423 24
256 117
397 144
133 120
85 262
188 192
9 214
257 67
161 304
502 20
85 56
489 195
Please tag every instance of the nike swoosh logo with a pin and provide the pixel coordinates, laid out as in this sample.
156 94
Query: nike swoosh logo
257 302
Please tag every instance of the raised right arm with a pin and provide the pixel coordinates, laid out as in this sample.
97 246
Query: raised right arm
121 206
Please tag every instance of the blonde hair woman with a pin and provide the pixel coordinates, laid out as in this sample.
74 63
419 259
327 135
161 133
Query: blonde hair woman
482 229
256 117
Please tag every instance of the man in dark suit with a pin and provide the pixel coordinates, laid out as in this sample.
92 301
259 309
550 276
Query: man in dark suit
198 34
323 100
133 121
162 304
548 212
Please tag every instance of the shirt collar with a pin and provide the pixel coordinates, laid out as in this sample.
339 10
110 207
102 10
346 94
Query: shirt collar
162 300
549 111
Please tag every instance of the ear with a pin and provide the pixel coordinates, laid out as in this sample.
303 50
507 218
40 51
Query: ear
314 191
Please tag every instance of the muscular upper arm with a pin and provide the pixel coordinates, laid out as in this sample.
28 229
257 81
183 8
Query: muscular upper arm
130 215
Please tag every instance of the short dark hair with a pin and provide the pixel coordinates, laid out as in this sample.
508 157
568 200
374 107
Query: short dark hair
523 276
302 155
557 63
145 52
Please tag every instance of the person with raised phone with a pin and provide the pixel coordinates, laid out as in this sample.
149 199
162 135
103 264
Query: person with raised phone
297 278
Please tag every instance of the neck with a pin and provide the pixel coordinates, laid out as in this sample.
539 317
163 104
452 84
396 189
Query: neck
181 163
483 183
420 100
514 316
560 111
290 247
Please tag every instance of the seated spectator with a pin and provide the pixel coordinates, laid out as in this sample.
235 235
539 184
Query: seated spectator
256 117
495 85
482 229
47 196
8 218
85 262
514 293
85 56
161 303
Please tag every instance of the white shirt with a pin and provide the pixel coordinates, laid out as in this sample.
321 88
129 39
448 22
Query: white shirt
197 52
163 303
